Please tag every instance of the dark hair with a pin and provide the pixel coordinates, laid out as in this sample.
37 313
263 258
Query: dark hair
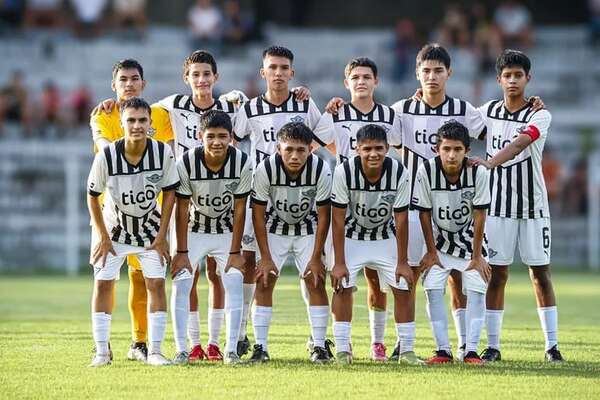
137 103
361 62
128 63
435 52
295 131
199 57
215 119
371 132
454 130
278 51
513 58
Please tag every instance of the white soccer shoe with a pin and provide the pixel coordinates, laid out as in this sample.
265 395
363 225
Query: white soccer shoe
231 358
100 360
157 359
460 352
181 358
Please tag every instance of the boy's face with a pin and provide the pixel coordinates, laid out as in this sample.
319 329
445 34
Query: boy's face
432 75
201 79
294 154
452 153
136 123
277 71
513 80
372 152
128 83
215 141
361 82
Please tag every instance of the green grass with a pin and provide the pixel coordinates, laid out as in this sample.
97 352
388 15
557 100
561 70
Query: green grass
45 346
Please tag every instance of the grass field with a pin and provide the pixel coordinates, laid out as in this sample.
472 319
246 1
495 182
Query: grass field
45 344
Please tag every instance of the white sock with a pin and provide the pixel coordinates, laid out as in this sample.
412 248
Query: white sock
475 317
319 317
406 332
194 328
436 310
261 319
216 316
233 282
377 321
460 324
493 323
549 320
101 331
180 310
157 322
342 332
248 297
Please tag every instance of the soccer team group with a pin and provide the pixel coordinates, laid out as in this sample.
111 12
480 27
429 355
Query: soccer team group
241 185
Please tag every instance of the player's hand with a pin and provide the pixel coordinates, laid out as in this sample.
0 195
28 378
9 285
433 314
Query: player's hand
180 262
338 273
471 161
536 103
480 265
403 270
428 261
302 93
105 106
161 246
418 96
235 97
236 261
101 251
334 104
265 267
315 270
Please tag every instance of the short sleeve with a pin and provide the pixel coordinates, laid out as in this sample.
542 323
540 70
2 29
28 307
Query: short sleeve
241 129
395 133
482 197
324 132
421 199
340 194
100 124
324 186
170 179
98 176
185 187
161 123
245 185
313 116
541 120
260 185
474 121
402 192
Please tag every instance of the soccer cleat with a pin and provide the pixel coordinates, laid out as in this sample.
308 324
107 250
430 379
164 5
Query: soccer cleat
231 358
328 345
378 352
310 344
158 360
213 353
460 353
197 354
110 353
243 346
396 353
554 356
409 357
181 358
138 352
440 357
472 358
100 360
259 355
491 355
343 357
319 355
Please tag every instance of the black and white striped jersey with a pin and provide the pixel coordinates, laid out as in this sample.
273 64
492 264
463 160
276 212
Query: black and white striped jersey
130 207
291 203
341 128
370 206
421 122
451 204
517 186
212 193
261 120
185 119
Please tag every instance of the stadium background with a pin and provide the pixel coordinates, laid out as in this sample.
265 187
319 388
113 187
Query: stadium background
57 58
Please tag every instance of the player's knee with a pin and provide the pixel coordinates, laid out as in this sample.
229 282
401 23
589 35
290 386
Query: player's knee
155 286
540 276
104 288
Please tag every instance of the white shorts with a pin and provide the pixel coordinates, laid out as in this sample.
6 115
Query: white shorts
416 242
378 255
149 259
249 239
437 277
534 237
299 248
200 245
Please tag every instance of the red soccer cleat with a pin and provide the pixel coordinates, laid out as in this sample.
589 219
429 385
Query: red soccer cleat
473 358
197 354
441 357
378 352
213 353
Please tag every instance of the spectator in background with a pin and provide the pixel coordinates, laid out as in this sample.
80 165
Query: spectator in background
575 195
513 21
487 44
594 10
14 102
238 26
205 26
553 177
44 14
454 28
50 117
404 46
81 104
88 15
11 16
129 16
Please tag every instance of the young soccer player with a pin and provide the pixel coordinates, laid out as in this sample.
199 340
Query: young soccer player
519 211
370 228
132 171
216 179
291 211
452 199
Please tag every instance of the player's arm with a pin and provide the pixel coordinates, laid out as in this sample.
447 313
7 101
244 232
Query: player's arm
340 198
401 221
260 199
181 259
99 125
478 263
421 201
235 259
96 185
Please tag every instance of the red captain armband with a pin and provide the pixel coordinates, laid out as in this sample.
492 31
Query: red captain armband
532 132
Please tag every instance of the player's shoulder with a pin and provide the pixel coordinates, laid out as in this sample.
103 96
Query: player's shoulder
174 102
401 104
543 114
225 106
104 117
240 155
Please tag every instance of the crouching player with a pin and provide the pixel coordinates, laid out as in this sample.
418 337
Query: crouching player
216 178
370 229
455 196
133 171
290 213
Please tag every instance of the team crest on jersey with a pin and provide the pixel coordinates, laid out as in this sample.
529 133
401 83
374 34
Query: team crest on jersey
232 186
309 193
151 132
388 198
468 195
154 178
297 118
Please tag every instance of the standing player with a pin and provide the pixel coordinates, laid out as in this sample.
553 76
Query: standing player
133 171
340 129
519 210
260 119
370 215
452 199
291 196
216 179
